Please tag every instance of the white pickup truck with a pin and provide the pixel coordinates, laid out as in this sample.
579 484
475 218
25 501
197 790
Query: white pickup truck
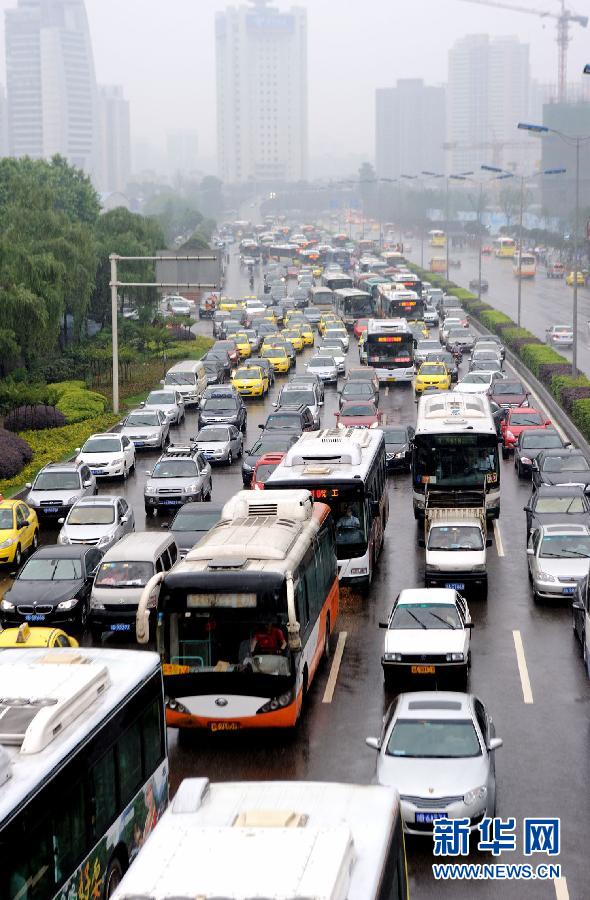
455 540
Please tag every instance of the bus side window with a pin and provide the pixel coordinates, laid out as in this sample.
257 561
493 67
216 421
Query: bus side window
103 793
302 604
153 745
69 832
313 579
129 762
27 871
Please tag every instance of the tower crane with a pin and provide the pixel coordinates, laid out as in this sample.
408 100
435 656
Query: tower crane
563 33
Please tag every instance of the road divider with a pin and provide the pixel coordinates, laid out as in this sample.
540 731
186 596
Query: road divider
335 668
527 693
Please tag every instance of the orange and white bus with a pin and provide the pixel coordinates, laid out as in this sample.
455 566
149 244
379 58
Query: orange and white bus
527 267
437 238
245 619
505 248
438 264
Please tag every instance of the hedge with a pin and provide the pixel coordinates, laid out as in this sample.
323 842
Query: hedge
580 416
53 445
34 418
76 402
15 453
491 318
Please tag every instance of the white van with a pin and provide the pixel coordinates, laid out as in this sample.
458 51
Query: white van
189 379
123 573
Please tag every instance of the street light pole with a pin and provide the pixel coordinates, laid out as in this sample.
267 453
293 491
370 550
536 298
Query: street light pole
479 227
447 226
519 276
114 330
576 227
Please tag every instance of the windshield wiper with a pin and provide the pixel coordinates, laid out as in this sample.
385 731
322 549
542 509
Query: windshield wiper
416 619
578 553
440 619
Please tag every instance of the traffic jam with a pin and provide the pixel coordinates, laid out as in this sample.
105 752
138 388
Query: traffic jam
360 547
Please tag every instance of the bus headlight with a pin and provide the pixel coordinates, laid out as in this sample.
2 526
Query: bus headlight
175 706
455 657
275 703
392 657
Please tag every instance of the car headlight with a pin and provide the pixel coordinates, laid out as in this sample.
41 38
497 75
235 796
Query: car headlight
525 403
399 455
72 500
546 576
6 605
154 436
455 657
105 539
63 539
479 568
7 543
191 488
149 491
67 604
392 657
117 462
94 604
526 460
475 795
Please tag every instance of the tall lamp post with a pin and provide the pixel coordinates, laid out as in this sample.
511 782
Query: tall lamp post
503 173
461 176
572 141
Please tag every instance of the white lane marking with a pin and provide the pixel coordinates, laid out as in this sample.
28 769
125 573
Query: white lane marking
561 891
331 685
387 391
527 694
498 537
384 418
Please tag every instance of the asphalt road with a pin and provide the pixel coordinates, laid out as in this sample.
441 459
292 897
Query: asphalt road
542 765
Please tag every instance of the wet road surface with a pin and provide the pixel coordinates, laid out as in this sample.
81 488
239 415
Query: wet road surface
542 765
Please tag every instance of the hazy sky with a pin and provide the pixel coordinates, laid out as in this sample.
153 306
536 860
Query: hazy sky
162 51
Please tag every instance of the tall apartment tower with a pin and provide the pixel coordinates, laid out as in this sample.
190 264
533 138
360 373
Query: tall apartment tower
261 93
409 128
115 140
50 81
487 95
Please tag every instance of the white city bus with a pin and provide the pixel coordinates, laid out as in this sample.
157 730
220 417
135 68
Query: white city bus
245 619
83 768
455 448
527 267
347 469
351 304
274 839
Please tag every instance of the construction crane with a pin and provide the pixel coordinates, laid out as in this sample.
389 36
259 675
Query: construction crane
563 34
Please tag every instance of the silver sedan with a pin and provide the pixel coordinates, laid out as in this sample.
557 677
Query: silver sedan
147 428
170 402
437 748
220 443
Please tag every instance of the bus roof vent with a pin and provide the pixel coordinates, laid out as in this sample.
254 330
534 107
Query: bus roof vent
190 795
5 766
292 505
270 818
38 703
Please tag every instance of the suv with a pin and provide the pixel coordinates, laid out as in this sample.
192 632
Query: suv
294 396
292 419
180 474
222 408
58 486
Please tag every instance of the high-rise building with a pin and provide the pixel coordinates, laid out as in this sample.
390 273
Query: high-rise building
487 95
182 149
3 123
261 93
409 128
114 131
51 86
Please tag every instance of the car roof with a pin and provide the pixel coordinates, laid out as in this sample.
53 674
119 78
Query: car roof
62 551
204 508
565 529
61 467
10 504
427 595
562 451
436 704
35 637
99 500
138 546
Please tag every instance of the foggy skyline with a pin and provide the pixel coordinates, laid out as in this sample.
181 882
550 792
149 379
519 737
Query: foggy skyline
163 54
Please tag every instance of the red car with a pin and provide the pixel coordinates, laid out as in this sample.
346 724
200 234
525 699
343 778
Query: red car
264 467
359 327
521 418
358 414
486 250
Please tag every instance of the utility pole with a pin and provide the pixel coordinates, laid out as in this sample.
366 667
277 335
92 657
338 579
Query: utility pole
115 330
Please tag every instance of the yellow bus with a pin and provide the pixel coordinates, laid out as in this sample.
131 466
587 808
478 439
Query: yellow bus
505 248
438 264
437 238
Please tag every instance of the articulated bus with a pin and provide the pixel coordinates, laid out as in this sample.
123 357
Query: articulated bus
389 348
505 248
245 619
345 468
352 304
83 768
274 839
437 238
527 267
455 448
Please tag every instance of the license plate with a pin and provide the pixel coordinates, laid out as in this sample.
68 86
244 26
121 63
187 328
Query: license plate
50 509
569 590
423 670
170 502
224 726
38 617
120 626
455 585
139 443
98 471
427 818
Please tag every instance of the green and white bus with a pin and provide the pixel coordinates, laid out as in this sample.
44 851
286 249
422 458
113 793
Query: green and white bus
83 769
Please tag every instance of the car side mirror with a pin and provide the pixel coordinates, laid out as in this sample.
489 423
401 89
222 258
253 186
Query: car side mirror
535 465
530 551
527 508
28 485
488 542
161 381
148 472
124 519
422 543
87 484
77 450
578 605
61 521
495 743
383 624
260 425
469 625
122 423
547 421
25 524
567 444
373 742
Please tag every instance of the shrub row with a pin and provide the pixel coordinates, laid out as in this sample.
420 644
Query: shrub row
15 453
34 418
76 402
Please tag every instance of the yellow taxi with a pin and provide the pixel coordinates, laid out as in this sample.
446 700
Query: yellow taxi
227 304
325 319
569 279
277 357
293 335
307 335
432 374
317 271
19 531
419 327
250 381
25 636
269 316
243 345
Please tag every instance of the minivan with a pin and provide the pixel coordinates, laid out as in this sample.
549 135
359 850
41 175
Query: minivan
120 578
189 379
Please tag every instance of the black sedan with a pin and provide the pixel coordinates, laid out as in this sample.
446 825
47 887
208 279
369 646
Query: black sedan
448 359
53 587
398 446
529 445
474 285
222 410
561 504
268 442
562 466
191 522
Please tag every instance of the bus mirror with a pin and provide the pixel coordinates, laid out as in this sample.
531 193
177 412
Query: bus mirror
422 543
488 542
375 509
383 624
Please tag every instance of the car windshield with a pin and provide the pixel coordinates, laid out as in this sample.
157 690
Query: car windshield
433 739
219 405
271 444
458 333
476 378
565 546
6 519
57 481
358 389
102 445
213 435
264 471
194 520
51 570
92 515
297 398
175 468
426 615
160 398
396 436
321 362
508 387
211 368
432 369
574 463
544 441
455 537
440 356
274 353
358 409
180 378
123 574
530 418
560 505
282 420
139 419
487 365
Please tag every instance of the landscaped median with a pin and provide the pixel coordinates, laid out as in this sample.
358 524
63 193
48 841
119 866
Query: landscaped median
551 368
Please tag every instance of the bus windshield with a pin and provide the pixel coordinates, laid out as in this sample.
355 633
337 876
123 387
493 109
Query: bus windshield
456 460
390 350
